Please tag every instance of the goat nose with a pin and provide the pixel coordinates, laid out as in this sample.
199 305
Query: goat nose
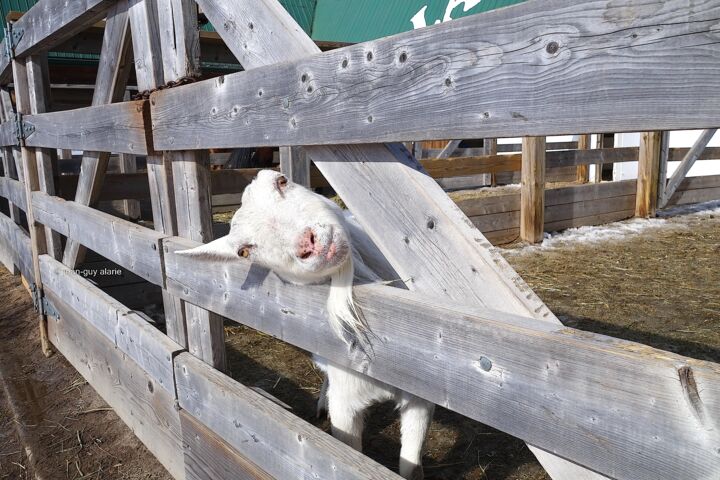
306 245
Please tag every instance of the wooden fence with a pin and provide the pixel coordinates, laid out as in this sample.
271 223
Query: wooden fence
468 333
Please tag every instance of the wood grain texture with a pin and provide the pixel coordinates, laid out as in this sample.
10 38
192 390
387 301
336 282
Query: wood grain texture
207 456
532 189
147 409
118 127
524 70
132 246
8 138
583 171
126 330
49 23
648 172
110 82
549 385
265 433
14 191
16 243
413 244
295 164
179 38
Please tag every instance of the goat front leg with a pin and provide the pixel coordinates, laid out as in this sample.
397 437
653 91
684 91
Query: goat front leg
322 405
347 421
415 418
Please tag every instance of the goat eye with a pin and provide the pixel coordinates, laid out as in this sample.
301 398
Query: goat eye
244 251
281 183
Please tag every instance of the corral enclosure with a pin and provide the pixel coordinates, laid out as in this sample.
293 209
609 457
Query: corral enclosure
466 333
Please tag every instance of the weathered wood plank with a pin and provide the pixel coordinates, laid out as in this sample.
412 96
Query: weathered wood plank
295 164
415 242
179 38
8 136
599 219
648 171
477 77
532 189
132 246
14 191
560 389
685 165
207 456
110 82
118 127
17 247
265 433
146 408
127 331
49 23
583 171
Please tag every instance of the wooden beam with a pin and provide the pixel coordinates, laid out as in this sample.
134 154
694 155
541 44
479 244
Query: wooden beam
110 83
149 72
449 149
269 436
685 166
560 389
583 171
14 191
49 23
17 247
204 333
648 173
532 190
489 90
416 241
295 164
133 393
119 127
127 244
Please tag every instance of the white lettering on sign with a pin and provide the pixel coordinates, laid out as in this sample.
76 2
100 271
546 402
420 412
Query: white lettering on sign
420 21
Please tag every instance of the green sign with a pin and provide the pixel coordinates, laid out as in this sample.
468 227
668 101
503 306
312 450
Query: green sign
355 21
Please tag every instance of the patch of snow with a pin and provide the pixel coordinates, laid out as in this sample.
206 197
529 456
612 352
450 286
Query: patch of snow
675 217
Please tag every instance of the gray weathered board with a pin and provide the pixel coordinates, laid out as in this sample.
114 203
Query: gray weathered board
125 243
49 23
516 71
126 330
617 407
132 393
284 445
14 191
17 245
118 127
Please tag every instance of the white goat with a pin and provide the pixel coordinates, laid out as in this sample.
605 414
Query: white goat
305 238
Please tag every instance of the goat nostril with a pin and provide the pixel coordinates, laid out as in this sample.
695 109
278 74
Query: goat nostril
312 238
305 255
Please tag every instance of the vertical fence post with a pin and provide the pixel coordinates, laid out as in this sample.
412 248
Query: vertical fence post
583 171
295 164
532 189
31 85
149 71
180 49
646 200
490 148
110 83
8 153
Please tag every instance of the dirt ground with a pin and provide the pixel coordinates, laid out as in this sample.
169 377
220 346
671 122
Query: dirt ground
655 282
53 426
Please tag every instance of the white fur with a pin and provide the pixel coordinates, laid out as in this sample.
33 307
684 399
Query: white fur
271 224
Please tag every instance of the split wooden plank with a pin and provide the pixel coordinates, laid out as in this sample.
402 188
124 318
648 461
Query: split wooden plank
265 433
662 168
132 246
648 172
8 114
49 23
204 334
126 330
564 390
118 127
112 75
685 165
532 190
477 76
132 393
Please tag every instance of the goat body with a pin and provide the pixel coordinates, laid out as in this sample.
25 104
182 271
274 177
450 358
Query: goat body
305 238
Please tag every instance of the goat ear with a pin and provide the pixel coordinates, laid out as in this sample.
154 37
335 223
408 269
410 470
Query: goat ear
219 249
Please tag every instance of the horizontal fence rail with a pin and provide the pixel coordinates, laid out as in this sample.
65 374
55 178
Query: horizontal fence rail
502 74
441 352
